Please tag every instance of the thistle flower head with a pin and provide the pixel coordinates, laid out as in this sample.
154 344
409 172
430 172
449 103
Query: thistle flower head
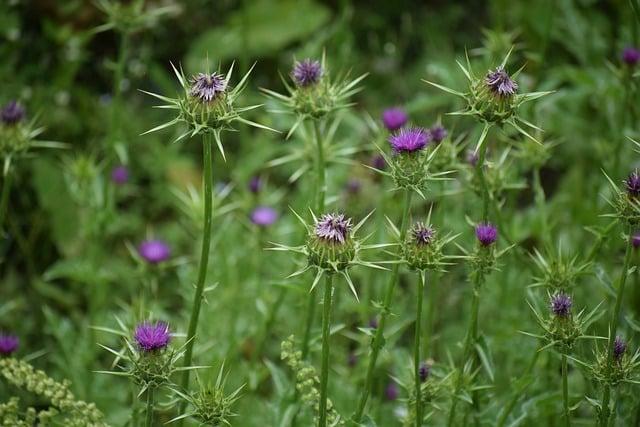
409 140
422 234
499 83
8 344
264 216
307 72
561 304
438 134
12 113
486 234
394 118
423 249
472 158
391 392
154 251
619 348
635 240
631 56
333 228
632 184
207 87
255 184
424 371
120 175
152 337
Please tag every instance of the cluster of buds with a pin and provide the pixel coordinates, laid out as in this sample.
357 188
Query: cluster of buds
626 201
422 248
314 94
623 368
307 381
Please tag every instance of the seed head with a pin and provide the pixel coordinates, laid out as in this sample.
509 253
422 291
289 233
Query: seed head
561 304
120 175
154 251
12 113
499 82
206 87
333 228
633 184
487 234
307 72
423 234
394 118
424 371
438 134
8 344
152 337
409 140
631 56
619 348
264 216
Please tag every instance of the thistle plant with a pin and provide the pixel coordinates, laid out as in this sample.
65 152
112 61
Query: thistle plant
430 383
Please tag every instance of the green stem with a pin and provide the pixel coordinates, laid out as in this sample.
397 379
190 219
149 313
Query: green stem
613 327
416 347
483 182
204 260
540 201
565 390
326 329
150 399
518 393
378 340
123 51
4 199
271 318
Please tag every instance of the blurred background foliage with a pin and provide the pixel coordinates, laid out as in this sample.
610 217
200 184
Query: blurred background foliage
71 263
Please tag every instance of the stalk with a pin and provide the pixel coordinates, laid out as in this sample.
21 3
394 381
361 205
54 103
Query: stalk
123 51
483 182
540 201
204 260
4 199
422 280
326 327
615 316
379 336
150 400
565 391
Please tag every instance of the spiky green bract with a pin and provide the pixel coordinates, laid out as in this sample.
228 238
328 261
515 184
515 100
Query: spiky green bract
557 272
623 370
200 117
131 17
488 107
318 100
562 332
482 260
625 205
307 382
210 405
499 177
327 257
431 389
412 170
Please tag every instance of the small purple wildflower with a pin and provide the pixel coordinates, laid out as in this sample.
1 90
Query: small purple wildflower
333 228
378 162
424 371
633 184
264 216
619 348
154 251
422 234
394 118
391 392
631 56
499 82
635 240
120 175
561 304
354 186
152 337
486 234
255 184
12 113
307 72
472 158
8 344
438 134
409 140
206 87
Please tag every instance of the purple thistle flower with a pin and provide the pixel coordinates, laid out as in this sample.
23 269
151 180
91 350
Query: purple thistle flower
206 87
635 240
120 175
307 72
422 234
409 140
500 83
438 134
619 348
394 118
8 344
378 162
631 56
152 337
472 158
561 304
12 113
633 184
424 371
486 234
264 216
154 251
255 184
391 392
333 228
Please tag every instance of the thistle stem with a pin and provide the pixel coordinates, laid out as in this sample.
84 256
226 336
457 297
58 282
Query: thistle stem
4 199
483 182
378 340
422 281
150 401
123 50
326 328
540 201
613 327
565 390
204 260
